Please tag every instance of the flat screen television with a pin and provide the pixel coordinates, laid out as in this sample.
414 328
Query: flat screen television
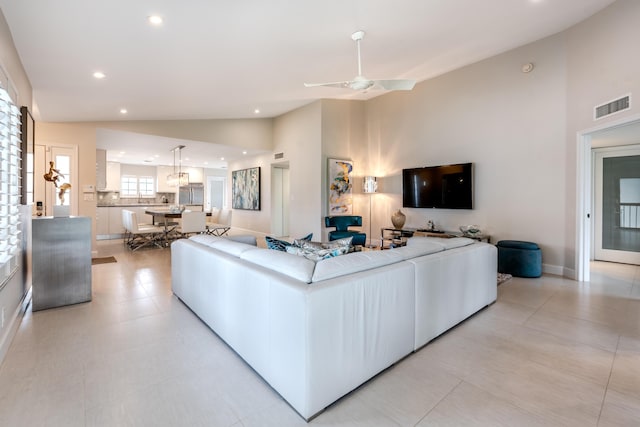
445 187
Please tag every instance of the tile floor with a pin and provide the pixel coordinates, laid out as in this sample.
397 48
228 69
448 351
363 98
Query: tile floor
549 352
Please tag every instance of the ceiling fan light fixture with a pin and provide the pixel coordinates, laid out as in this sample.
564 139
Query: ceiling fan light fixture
360 83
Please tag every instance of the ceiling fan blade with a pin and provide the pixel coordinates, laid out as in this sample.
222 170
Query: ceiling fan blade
344 84
395 84
363 84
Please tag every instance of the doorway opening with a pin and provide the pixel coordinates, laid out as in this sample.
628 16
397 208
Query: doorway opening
614 136
215 196
280 195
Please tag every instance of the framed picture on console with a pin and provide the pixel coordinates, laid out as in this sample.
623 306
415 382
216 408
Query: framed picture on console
245 189
340 187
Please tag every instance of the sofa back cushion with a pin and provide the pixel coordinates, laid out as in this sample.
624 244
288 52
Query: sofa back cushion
205 239
445 243
297 267
408 252
353 263
223 244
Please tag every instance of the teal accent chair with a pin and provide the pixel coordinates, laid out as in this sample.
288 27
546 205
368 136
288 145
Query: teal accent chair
342 224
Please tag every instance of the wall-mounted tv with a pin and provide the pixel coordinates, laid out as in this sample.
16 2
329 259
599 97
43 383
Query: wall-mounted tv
445 187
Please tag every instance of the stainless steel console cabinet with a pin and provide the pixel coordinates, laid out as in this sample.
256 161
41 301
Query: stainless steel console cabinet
61 261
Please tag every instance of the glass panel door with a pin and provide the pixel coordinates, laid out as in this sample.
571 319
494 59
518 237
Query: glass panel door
617 207
65 189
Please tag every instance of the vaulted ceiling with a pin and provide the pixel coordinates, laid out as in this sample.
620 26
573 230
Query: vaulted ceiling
225 59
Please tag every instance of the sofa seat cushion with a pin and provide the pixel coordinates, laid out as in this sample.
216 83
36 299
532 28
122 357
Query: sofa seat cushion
297 267
353 263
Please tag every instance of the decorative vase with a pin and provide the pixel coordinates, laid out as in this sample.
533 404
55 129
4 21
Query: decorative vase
398 219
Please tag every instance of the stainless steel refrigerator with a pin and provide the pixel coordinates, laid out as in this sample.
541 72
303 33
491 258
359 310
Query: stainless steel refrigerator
192 194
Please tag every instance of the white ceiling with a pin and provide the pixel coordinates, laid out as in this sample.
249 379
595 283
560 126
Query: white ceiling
214 59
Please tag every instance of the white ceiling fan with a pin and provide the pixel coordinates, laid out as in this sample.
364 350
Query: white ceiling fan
362 83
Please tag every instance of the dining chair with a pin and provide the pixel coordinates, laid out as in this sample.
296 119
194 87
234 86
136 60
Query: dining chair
193 222
142 236
222 225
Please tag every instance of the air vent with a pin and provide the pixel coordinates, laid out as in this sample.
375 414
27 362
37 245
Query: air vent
278 156
616 106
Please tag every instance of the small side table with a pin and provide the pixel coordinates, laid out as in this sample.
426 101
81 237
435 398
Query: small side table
393 238
449 234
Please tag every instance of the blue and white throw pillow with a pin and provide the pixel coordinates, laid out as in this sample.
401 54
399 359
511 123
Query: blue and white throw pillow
281 245
316 251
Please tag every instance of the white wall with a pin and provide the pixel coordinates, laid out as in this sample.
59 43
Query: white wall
297 135
344 137
138 170
511 125
253 220
602 65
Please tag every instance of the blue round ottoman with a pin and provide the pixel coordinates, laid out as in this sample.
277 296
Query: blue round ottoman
520 259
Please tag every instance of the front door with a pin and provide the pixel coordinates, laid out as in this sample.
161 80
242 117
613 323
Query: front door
64 161
617 204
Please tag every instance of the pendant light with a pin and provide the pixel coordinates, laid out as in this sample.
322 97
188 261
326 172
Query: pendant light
180 178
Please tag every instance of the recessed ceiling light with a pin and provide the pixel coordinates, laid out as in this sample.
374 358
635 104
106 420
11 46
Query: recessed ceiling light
99 75
156 156
123 111
155 20
256 111
221 158
206 163
244 152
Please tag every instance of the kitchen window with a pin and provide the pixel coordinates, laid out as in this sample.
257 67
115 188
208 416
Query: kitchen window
137 186
146 184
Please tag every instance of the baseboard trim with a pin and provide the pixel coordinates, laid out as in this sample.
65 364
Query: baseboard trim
14 323
558 270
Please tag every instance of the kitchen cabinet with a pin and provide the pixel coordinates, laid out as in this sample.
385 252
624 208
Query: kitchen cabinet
115 221
195 174
109 220
102 221
113 176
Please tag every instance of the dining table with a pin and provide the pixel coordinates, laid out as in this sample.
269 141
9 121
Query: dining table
164 217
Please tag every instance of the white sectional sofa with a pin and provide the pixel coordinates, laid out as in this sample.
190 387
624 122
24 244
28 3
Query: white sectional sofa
316 331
